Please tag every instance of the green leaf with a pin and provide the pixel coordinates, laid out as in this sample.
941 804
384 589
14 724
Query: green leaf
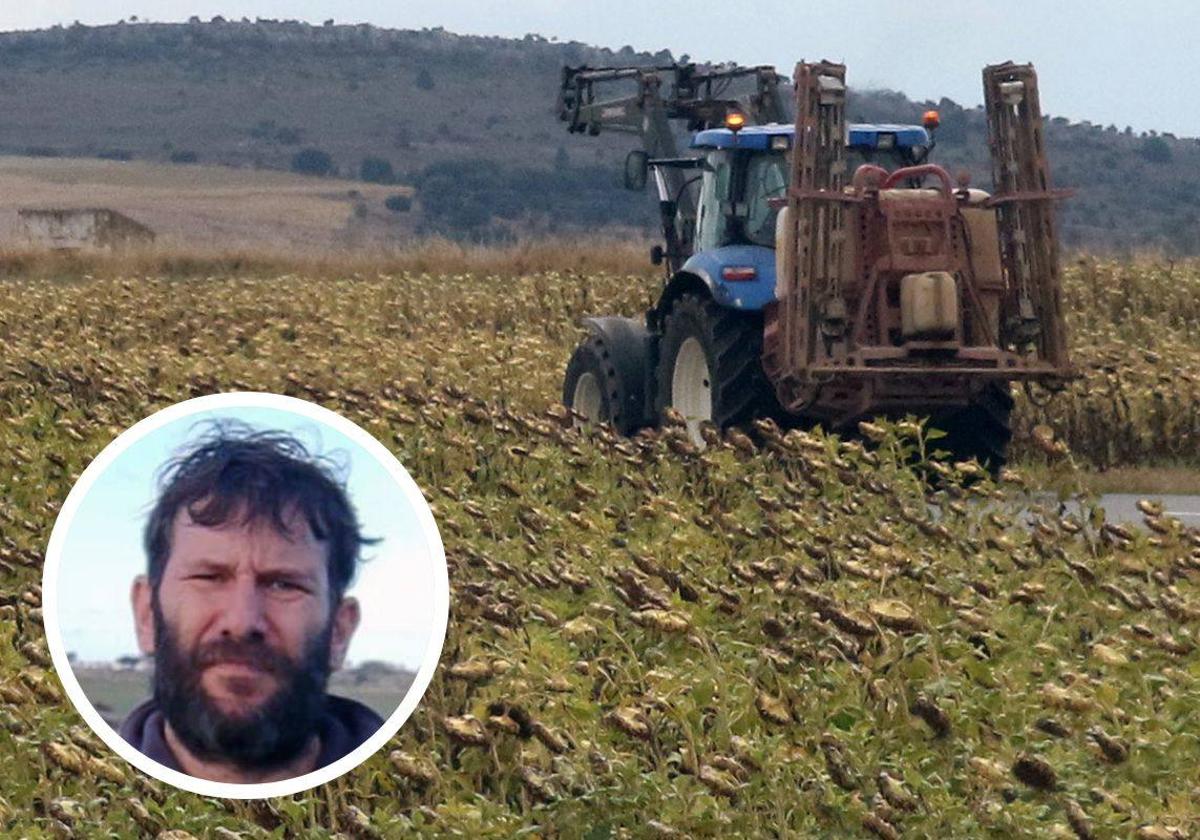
603 831
844 720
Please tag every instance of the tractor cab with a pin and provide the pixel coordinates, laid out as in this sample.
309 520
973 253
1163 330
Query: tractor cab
742 176
745 175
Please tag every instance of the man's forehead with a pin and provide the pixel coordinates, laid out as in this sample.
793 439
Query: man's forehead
296 527
295 543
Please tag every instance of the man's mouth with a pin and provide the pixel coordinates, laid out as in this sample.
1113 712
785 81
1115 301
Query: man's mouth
236 661
237 666
235 678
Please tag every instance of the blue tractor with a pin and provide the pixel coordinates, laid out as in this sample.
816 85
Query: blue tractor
822 281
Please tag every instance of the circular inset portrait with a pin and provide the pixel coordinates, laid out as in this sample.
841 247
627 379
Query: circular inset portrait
245 595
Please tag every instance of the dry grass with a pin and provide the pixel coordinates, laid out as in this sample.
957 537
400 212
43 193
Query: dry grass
429 256
1145 480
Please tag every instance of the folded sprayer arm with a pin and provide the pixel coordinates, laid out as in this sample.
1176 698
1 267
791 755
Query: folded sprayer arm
883 285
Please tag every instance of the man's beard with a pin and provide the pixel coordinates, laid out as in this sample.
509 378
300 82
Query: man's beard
266 737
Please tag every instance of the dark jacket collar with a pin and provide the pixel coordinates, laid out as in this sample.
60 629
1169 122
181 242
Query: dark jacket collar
345 725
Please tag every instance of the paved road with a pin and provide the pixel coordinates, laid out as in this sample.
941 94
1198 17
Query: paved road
1120 507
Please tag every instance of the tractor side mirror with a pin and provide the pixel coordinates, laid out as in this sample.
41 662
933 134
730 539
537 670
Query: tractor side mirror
637 168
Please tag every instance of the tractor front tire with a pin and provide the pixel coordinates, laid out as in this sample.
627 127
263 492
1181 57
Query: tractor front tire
592 387
710 365
982 430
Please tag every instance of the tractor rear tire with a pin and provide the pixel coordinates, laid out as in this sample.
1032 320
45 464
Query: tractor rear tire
592 386
710 365
982 430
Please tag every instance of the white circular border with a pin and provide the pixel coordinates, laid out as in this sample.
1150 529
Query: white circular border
245 399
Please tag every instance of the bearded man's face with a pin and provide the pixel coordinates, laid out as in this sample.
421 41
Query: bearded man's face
243 626
264 732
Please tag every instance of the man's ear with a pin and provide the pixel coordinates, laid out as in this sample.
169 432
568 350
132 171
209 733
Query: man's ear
143 613
345 622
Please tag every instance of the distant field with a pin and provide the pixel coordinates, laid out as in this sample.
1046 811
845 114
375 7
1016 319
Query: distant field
204 206
114 693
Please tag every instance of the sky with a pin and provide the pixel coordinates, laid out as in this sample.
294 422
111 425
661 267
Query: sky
103 552
1106 61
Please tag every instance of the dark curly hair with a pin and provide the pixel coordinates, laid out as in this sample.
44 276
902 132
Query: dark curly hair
261 476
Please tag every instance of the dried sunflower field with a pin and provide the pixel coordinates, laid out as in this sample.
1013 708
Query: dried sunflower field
1134 330
784 635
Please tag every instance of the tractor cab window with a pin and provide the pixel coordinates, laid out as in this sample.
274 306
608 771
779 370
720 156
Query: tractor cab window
766 178
714 202
889 159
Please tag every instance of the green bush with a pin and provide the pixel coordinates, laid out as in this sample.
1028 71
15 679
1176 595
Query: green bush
398 203
461 198
1156 150
376 170
312 162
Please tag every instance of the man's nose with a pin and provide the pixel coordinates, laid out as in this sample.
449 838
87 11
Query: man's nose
244 612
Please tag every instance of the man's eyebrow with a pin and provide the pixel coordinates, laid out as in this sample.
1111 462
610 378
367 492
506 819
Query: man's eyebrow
288 574
193 564
203 562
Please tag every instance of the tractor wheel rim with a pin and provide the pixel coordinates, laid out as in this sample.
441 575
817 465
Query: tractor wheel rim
587 399
691 387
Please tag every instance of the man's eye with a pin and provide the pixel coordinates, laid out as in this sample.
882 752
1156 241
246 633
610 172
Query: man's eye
285 586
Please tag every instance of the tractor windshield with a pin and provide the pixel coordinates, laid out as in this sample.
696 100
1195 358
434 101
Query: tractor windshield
737 189
766 178
889 159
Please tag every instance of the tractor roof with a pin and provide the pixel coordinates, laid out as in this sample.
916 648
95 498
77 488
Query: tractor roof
860 135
